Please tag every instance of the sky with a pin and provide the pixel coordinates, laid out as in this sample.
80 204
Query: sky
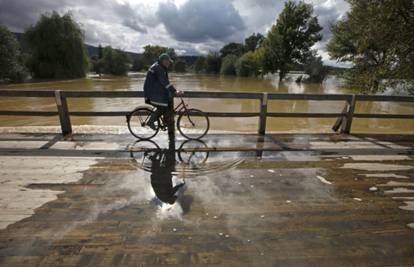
191 27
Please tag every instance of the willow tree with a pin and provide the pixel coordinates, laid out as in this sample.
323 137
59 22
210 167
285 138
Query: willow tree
11 65
377 36
289 41
57 47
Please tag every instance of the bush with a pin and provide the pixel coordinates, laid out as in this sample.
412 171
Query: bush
228 65
57 47
247 65
11 62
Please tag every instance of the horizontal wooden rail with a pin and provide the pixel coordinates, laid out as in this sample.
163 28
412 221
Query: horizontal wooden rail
383 116
28 113
318 97
344 121
384 98
305 115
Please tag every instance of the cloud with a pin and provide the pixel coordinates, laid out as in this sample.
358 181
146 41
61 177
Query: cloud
190 26
198 21
135 25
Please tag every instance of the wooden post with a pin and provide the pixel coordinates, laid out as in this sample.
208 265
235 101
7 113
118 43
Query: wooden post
263 114
171 123
64 118
349 116
340 120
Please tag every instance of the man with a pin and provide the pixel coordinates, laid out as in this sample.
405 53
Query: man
158 90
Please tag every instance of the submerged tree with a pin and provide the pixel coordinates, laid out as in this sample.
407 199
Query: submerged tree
11 65
247 65
200 64
213 63
289 41
378 38
228 65
115 61
57 47
314 68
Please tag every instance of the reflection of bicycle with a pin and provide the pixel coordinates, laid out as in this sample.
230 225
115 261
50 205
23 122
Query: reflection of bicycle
191 123
191 152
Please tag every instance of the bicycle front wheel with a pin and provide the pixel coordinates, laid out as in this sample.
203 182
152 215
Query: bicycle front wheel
137 123
193 124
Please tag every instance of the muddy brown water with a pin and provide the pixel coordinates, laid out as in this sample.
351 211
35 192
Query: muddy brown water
210 83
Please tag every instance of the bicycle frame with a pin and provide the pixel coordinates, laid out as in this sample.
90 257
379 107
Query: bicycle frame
180 108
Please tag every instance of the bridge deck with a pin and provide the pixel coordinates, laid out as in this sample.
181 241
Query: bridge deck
281 200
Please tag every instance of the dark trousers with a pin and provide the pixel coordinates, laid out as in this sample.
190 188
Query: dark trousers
166 111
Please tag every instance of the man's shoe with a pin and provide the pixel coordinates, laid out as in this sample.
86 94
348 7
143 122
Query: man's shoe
152 125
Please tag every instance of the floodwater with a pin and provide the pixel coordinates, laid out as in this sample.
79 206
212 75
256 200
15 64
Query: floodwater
210 83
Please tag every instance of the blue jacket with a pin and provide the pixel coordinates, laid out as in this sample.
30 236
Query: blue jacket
158 90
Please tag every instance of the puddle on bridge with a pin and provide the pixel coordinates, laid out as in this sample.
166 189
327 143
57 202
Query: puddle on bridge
195 205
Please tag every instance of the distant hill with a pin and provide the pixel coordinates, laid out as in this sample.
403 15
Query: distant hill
93 51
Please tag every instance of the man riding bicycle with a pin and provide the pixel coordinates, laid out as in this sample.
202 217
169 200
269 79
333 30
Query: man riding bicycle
159 92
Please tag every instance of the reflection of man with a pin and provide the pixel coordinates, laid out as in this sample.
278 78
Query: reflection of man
158 90
163 164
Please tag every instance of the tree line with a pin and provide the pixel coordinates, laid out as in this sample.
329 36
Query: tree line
376 36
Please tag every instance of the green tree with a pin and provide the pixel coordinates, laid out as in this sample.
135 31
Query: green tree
11 65
100 51
253 42
200 65
180 65
228 65
289 40
213 62
314 68
57 47
115 61
378 38
248 65
152 52
232 49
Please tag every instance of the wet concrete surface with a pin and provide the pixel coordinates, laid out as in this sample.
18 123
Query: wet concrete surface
231 200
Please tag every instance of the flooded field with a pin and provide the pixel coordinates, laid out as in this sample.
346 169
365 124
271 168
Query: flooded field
210 83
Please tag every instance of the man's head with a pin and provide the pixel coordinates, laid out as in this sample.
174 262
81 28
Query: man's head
165 60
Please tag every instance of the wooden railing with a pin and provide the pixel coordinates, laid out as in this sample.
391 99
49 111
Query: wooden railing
343 123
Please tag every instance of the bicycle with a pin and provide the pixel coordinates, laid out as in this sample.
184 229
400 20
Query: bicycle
191 123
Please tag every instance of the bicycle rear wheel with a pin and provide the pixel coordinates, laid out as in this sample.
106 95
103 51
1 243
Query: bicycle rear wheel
137 123
193 124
